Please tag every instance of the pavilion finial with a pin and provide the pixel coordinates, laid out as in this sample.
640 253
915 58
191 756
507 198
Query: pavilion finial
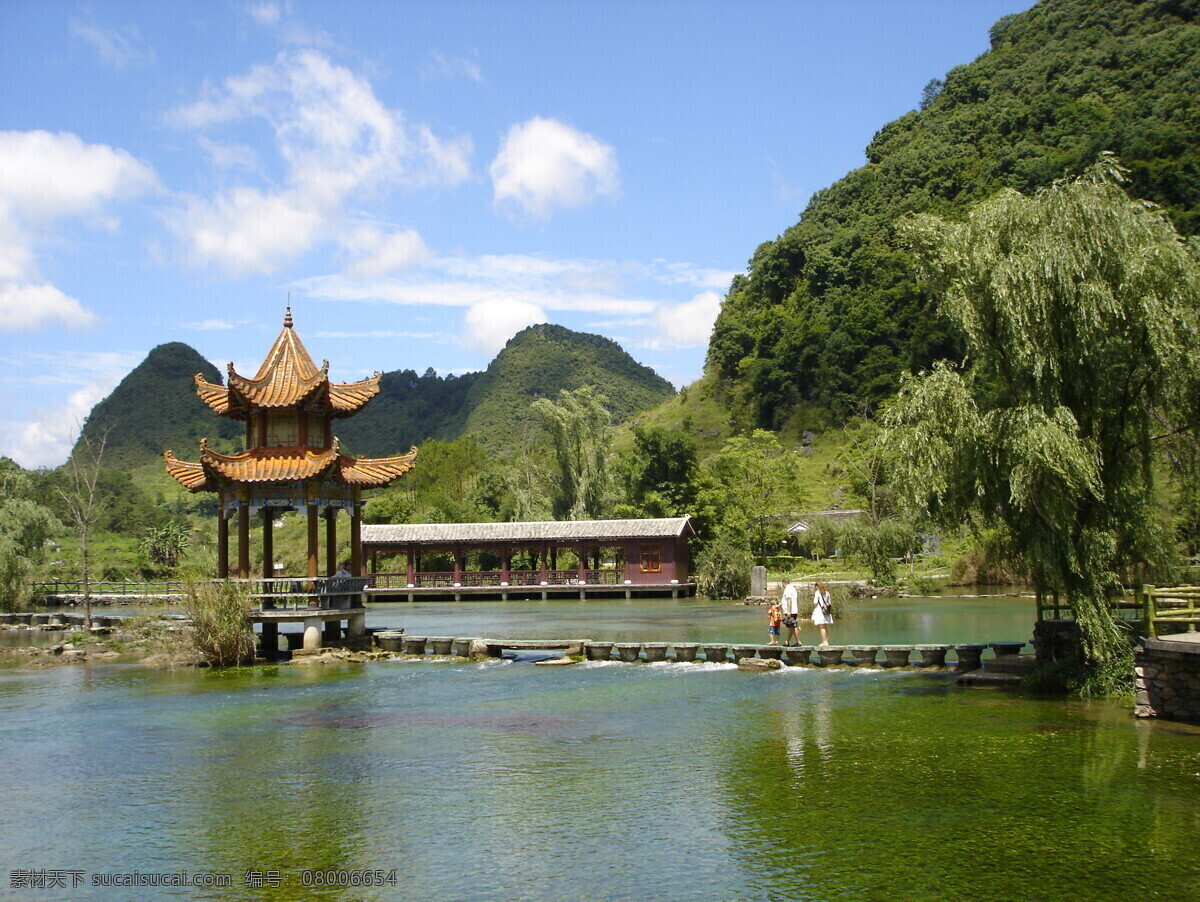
287 318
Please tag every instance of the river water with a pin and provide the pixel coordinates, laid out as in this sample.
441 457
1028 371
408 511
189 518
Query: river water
505 780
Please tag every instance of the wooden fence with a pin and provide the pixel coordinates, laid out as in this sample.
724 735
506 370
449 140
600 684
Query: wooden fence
1171 610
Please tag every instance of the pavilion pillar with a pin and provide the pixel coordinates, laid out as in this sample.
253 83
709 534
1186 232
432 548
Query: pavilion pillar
356 552
505 562
268 562
374 561
582 562
331 561
243 540
542 555
412 569
222 545
313 543
457 555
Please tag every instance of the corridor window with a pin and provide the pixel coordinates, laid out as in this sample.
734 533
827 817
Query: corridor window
651 559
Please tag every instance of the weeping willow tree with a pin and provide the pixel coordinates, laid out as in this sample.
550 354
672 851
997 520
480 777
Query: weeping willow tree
1079 306
581 432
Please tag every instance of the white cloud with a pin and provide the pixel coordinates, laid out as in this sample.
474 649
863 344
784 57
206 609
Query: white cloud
614 288
246 231
337 142
116 47
489 324
382 255
26 307
208 325
686 325
544 165
438 65
45 177
265 14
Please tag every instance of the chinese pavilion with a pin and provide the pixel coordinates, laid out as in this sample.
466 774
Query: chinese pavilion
292 460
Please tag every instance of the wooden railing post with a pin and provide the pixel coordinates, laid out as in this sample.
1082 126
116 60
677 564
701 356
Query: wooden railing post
1151 612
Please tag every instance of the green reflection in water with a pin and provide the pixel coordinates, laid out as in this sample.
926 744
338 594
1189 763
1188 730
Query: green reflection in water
607 781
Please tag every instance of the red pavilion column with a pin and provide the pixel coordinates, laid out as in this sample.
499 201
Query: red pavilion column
222 545
331 561
244 539
356 555
314 568
268 563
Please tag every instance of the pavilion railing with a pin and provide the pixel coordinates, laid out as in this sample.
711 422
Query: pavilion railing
479 579
1171 609
60 587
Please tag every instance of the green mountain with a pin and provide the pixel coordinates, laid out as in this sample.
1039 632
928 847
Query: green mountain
830 313
155 409
539 362
493 405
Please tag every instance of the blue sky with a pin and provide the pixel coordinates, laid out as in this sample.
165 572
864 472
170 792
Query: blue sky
422 179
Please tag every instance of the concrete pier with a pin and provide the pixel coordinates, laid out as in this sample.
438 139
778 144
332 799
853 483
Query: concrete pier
718 654
831 655
896 655
598 651
798 655
744 651
414 645
686 653
628 652
770 652
655 651
864 656
969 656
933 655
440 645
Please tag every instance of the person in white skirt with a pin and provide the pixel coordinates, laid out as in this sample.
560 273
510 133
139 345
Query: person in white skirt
822 614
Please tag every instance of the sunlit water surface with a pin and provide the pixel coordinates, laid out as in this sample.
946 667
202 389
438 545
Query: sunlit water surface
507 780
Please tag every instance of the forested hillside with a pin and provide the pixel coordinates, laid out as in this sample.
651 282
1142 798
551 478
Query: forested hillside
830 313
541 361
155 408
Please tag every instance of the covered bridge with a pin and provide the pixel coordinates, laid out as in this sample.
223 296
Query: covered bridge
572 558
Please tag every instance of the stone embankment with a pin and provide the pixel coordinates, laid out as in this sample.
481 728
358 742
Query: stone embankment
1167 674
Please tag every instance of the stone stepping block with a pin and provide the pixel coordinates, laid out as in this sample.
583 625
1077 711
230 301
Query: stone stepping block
864 656
770 652
598 651
387 640
969 655
414 645
716 653
461 647
933 655
655 651
629 652
744 651
686 653
831 655
1006 648
441 645
897 655
798 655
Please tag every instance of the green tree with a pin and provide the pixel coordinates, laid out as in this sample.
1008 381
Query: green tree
85 503
757 487
164 545
581 433
660 472
1079 308
25 527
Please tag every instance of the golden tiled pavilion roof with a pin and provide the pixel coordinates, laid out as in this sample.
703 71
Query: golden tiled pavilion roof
267 465
286 378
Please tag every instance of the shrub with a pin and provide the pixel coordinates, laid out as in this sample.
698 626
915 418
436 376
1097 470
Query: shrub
723 569
221 632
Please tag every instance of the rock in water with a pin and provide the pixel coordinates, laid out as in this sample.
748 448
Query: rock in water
758 665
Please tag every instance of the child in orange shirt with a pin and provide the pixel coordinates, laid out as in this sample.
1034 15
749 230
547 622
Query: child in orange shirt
774 618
